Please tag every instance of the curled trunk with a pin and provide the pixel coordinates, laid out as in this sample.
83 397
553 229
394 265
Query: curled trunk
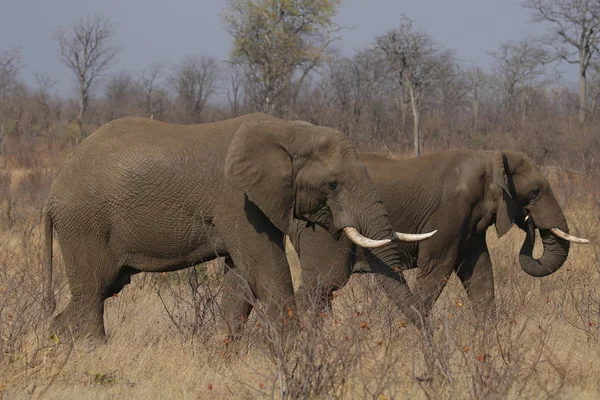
555 253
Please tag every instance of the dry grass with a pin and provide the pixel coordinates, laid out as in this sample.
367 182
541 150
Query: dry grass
164 341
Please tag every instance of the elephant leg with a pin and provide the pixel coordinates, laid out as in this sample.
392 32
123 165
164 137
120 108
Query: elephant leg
256 248
477 277
276 293
236 301
430 285
318 284
93 276
431 281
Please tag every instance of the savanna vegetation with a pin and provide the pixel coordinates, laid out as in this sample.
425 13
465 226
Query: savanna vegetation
405 94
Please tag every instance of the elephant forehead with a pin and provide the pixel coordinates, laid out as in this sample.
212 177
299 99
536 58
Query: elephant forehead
532 178
320 169
331 168
325 142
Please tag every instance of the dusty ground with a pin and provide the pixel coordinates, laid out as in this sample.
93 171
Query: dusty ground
164 341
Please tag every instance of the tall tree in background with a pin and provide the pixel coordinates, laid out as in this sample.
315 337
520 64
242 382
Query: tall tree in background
279 42
152 95
359 87
416 63
10 68
118 93
594 88
195 80
520 69
233 85
476 80
43 96
86 49
574 35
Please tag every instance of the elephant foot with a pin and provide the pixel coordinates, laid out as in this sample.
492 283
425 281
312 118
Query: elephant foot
87 332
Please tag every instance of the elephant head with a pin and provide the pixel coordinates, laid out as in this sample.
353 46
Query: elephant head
298 170
524 196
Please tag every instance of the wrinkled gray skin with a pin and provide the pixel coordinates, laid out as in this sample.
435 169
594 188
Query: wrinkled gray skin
460 193
145 196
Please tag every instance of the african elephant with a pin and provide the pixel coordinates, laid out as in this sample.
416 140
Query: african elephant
461 193
141 195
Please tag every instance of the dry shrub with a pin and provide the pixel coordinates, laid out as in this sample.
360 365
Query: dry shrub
190 298
165 340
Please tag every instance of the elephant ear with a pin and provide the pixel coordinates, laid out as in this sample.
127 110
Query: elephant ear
506 206
259 164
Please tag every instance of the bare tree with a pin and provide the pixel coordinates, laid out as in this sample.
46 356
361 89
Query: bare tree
10 68
520 69
594 88
416 63
233 87
195 80
447 100
45 84
151 90
316 100
358 83
574 35
86 50
118 93
476 79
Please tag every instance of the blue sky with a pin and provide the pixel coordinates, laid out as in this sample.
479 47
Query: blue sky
149 30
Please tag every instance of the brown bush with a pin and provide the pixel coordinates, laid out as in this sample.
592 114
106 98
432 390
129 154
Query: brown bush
164 333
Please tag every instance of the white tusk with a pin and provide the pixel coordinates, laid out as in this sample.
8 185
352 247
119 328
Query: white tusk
526 218
568 237
362 241
412 237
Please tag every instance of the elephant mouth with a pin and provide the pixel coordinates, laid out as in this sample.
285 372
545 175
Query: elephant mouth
321 217
526 223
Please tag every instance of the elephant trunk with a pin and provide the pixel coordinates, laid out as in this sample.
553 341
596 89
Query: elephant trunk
555 253
385 263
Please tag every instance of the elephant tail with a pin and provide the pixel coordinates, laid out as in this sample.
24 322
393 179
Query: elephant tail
49 301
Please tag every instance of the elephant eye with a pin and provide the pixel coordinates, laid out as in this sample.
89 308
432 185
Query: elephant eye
332 185
533 194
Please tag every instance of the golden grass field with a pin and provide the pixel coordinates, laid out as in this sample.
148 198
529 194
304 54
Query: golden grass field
164 342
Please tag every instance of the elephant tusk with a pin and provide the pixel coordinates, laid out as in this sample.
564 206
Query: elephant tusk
526 218
362 241
412 237
568 237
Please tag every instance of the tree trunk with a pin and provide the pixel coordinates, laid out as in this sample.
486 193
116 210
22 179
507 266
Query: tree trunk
475 122
404 105
268 106
582 92
80 119
416 121
2 137
83 104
